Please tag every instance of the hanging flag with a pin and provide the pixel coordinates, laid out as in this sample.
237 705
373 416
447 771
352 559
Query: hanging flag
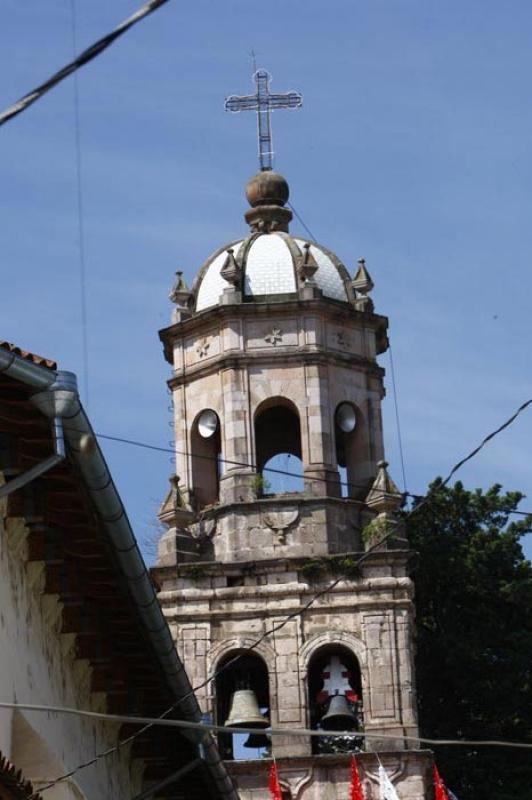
273 784
440 790
356 786
387 789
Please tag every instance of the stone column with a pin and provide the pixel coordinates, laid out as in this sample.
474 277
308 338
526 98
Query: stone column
182 467
321 473
237 479
289 702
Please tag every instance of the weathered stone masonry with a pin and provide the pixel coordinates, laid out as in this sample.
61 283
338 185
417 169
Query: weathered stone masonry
275 324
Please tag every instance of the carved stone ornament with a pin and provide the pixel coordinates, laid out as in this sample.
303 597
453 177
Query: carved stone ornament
203 529
280 521
231 271
343 339
266 219
307 265
384 496
362 281
362 284
180 294
296 781
275 336
203 348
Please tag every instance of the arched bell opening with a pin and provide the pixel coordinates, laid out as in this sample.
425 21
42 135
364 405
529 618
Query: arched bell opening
243 701
278 447
205 445
335 699
351 450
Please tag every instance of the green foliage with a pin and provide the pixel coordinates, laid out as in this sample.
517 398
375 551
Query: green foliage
260 485
375 530
196 572
315 569
346 566
474 637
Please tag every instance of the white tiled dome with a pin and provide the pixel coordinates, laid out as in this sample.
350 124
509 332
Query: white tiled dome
268 262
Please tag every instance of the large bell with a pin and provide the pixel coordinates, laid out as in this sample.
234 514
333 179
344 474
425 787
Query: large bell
245 711
257 741
339 716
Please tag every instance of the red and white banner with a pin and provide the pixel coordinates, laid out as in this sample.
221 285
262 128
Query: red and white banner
356 786
273 784
440 790
386 787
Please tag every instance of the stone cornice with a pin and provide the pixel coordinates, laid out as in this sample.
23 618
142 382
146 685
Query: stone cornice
301 355
279 502
288 589
270 565
221 615
263 765
333 309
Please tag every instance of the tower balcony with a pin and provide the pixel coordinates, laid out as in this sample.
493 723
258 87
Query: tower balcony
290 525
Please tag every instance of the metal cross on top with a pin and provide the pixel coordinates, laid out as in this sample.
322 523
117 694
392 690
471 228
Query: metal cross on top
263 102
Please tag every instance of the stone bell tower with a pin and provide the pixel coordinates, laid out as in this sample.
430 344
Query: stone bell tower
274 358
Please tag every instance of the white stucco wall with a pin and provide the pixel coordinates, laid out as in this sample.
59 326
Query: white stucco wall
37 666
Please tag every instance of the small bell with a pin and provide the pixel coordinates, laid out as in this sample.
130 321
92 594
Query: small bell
257 741
339 716
245 711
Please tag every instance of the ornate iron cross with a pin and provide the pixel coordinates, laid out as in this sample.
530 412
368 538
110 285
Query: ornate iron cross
263 102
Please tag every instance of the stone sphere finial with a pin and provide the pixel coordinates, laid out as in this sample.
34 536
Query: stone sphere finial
267 188
267 193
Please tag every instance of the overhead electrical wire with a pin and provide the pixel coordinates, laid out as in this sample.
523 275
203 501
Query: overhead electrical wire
226 461
413 495
81 226
85 57
214 675
394 387
298 612
210 727
397 420
79 61
365 555
290 205
315 479
488 438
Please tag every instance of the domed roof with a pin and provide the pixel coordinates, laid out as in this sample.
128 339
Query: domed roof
268 264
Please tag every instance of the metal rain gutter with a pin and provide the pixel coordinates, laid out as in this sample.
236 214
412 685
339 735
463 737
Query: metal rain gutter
54 400
88 456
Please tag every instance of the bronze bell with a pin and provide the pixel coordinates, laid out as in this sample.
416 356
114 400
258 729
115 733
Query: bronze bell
339 716
245 711
257 741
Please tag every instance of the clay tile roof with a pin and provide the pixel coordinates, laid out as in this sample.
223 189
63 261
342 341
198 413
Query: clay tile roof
12 785
40 360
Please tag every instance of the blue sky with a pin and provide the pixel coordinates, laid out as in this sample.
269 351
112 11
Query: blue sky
412 149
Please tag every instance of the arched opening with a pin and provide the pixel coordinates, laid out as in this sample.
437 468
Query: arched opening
335 699
278 447
205 444
351 456
243 701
